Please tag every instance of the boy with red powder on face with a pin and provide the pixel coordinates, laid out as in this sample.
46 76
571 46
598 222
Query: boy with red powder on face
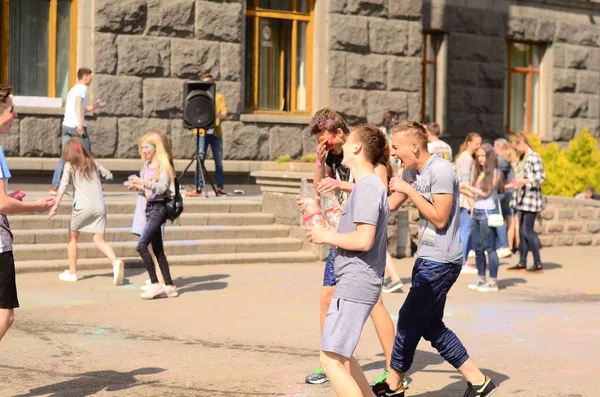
331 132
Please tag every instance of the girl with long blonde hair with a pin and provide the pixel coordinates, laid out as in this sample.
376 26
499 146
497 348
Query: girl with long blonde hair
89 212
154 181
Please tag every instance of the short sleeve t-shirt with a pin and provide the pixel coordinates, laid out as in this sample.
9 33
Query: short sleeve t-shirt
79 90
439 245
6 236
441 149
359 275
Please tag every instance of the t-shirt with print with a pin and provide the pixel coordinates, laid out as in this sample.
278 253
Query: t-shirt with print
341 173
359 275
6 236
438 177
71 120
441 149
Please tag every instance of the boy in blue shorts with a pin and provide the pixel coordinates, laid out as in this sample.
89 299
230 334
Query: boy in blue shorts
359 264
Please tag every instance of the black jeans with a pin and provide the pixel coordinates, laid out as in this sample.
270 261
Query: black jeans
529 240
156 216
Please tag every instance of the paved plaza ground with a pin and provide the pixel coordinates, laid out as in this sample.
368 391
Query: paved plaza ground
252 330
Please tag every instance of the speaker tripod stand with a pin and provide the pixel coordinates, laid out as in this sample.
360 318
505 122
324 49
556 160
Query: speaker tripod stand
201 173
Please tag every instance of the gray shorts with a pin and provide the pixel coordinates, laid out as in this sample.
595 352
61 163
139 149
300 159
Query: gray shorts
343 326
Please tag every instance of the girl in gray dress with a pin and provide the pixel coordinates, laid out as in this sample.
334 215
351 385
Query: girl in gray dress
89 212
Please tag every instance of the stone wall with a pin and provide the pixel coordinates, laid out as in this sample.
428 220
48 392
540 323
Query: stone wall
375 50
477 32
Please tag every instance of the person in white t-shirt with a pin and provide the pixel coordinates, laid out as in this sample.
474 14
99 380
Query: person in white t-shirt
74 121
435 145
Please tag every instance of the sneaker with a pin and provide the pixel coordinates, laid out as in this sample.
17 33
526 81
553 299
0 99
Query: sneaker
393 287
145 286
536 269
53 191
118 272
171 291
382 378
387 281
67 276
487 389
317 377
383 389
475 286
194 193
468 269
504 252
488 287
221 192
153 291
471 254
516 268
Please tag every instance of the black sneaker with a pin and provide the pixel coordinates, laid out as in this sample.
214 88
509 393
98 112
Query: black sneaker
536 269
487 389
317 377
383 389
517 268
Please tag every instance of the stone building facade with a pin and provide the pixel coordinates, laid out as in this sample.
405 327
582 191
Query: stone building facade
367 57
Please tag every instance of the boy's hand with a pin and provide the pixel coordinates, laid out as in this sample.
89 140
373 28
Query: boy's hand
321 152
302 203
43 205
316 235
399 185
328 185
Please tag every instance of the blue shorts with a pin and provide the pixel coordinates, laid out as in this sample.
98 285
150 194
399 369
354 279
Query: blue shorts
329 274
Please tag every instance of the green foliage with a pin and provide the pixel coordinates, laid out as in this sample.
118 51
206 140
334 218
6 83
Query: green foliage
309 158
283 159
570 171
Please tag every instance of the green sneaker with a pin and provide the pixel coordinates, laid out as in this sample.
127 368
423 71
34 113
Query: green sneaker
384 376
317 377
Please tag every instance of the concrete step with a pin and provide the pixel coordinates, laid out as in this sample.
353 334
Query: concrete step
21 222
59 265
27 252
118 234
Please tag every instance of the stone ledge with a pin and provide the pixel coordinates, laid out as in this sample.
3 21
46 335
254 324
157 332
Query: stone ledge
39 110
274 119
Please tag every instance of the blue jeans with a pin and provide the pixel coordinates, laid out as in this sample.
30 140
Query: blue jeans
156 216
485 238
216 146
465 232
421 316
502 241
68 133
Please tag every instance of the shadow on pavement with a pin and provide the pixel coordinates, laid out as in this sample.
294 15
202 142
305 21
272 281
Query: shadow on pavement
451 389
510 282
90 383
200 283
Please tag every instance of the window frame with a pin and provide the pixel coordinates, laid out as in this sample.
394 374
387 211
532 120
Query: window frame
254 11
424 63
528 71
52 44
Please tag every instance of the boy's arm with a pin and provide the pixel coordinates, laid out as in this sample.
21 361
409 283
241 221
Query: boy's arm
360 240
396 200
322 170
9 205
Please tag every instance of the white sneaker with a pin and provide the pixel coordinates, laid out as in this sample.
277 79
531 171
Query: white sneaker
475 286
471 254
504 252
145 286
153 291
468 269
171 291
67 276
118 272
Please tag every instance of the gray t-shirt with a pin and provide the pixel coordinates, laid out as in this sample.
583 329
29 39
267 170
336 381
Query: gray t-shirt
438 177
359 275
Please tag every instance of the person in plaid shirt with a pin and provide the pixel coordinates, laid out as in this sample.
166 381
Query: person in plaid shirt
528 200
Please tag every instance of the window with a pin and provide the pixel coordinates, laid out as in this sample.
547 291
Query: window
278 48
431 48
522 89
38 46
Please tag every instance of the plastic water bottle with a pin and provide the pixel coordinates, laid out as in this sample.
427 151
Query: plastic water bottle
331 208
312 214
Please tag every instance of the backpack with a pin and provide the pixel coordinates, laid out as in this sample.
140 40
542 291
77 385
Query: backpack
174 202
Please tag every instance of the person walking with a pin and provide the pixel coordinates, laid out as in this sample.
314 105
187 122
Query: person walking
435 145
485 189
155 181
212 137
74 121
10 203
465 167
528 201
433 187
506 160
88 213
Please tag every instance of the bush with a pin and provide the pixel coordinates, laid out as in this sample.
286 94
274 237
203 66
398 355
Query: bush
570 171
309 158
283 159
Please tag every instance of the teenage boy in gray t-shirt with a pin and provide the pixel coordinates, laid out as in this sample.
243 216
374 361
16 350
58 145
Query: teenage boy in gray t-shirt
359 263
431 184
